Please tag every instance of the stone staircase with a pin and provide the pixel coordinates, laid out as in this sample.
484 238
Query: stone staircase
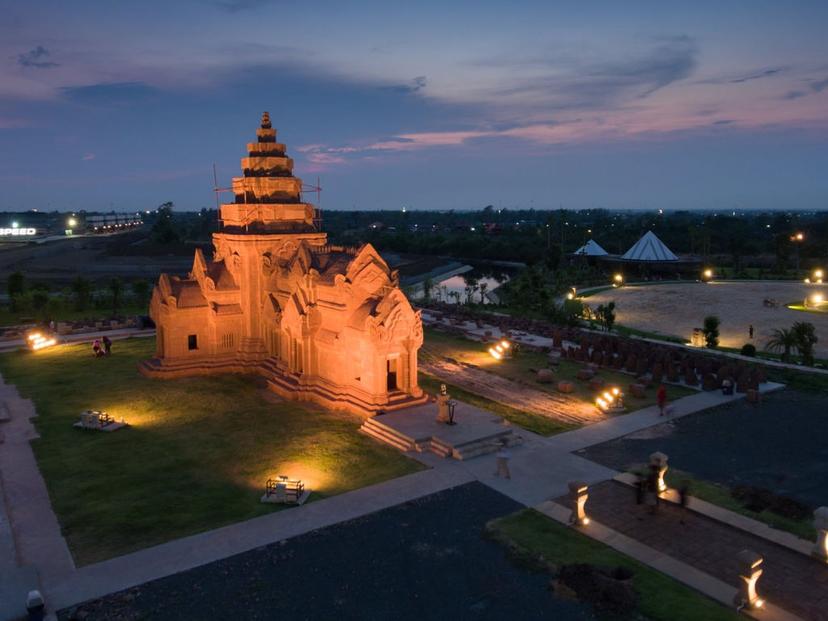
490 443
372 427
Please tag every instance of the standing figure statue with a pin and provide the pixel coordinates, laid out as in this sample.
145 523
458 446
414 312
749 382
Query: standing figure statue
443 405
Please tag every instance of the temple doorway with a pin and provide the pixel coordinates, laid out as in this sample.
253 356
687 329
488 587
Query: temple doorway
392 374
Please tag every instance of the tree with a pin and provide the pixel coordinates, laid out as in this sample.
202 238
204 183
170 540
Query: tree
163 231
783 340
483 286
116 287
16 286
428 285
140 289
82 290
711 331
805 340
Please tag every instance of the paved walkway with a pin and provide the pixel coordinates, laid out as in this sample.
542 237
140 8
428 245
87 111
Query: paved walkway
791 580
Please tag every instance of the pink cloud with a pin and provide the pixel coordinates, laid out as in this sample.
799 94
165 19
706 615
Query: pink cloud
88 156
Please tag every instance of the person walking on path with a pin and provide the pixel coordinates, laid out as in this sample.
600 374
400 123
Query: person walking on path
661 397
107 345
750 332
503 456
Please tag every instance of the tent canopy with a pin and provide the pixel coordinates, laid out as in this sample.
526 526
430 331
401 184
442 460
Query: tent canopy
649 248
591 249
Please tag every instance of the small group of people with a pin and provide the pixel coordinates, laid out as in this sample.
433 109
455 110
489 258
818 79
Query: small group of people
648 492
102 347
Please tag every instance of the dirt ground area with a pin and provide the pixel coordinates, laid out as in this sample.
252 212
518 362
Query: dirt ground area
675 309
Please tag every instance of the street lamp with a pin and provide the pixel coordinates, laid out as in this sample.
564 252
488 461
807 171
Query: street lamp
707 275
72 223
617 280
797 238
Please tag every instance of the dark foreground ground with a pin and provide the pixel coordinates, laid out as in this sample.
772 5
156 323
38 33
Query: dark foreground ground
778 445
425 559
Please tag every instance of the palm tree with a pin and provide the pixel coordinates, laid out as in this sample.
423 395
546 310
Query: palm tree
483 287
784 340
806 338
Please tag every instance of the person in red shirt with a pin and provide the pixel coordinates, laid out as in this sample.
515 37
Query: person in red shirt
661 397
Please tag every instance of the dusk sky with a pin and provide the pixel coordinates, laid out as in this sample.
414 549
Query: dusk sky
428 105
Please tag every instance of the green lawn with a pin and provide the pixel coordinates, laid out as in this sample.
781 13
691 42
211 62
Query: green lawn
720 495
532 422
520 369
196 457
660 597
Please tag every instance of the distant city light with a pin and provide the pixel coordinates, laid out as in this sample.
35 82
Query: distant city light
72 222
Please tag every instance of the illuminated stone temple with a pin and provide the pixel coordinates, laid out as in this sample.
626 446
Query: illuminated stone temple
321 323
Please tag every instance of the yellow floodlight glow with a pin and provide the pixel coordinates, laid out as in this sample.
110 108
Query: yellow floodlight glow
72 222
505 344
616 391
817 299
38 341
570 296
618 279
495 354
707 274
818 273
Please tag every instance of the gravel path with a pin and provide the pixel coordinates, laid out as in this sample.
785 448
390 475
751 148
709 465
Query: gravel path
675 309
424 559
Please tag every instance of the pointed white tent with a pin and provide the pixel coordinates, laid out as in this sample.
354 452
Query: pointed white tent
649 248
591 249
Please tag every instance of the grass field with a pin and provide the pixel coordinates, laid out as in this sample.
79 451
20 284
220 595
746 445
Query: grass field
720 495
660 598
521 369
196 457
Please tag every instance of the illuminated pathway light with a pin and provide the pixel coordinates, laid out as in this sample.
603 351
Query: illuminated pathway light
38 341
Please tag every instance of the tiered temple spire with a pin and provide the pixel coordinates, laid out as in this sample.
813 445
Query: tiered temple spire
267 197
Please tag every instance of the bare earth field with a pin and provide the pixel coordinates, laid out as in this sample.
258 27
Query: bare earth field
675 309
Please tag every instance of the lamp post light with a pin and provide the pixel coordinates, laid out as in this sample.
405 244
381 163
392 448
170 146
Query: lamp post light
707 274
797 238
617 280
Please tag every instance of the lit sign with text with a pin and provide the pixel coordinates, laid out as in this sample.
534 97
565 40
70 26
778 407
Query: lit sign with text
17 232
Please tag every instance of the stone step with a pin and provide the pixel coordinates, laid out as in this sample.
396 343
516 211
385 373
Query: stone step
379 434
374 423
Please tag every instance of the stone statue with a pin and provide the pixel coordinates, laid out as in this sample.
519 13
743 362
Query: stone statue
443 405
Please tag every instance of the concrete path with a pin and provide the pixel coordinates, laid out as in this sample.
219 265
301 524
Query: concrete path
796 582
711 586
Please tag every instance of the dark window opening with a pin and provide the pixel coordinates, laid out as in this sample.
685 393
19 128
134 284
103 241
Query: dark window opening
192 342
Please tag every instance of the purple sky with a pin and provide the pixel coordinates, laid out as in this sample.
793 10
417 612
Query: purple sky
712 105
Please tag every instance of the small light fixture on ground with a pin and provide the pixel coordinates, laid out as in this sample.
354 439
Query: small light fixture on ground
707 274
611 400
37 340
501 350
578 494
750 571
816 276
284 490
814 301
617 280
572 293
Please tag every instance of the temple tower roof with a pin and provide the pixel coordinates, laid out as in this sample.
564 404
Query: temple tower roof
268 198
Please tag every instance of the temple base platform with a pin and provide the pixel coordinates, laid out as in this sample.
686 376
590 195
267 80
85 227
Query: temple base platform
476 432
